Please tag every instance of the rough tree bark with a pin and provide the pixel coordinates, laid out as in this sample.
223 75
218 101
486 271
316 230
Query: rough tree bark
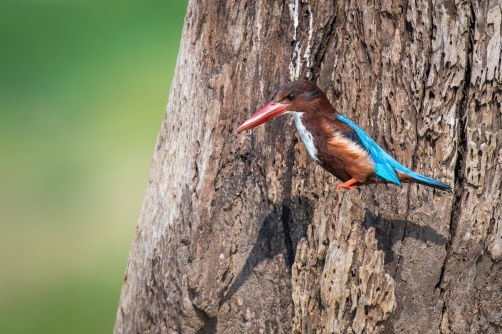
244 233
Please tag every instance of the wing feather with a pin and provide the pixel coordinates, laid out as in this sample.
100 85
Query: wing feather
385 165
384 169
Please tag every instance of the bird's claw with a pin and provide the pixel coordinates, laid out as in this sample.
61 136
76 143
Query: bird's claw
340 186
346 185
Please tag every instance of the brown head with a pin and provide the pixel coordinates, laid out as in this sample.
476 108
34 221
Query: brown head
300 96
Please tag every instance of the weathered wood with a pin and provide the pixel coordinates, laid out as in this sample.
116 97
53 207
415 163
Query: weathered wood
244 233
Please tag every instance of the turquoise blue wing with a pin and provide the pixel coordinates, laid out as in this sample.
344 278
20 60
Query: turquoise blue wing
385 165
383 169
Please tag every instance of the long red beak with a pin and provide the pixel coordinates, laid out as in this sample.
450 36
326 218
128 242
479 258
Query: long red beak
265 113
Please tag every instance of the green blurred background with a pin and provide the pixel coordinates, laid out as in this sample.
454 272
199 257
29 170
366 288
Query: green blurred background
83 88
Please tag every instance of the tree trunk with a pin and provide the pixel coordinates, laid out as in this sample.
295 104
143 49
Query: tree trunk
244 233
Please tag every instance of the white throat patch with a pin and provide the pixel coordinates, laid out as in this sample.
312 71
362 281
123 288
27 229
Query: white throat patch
307 138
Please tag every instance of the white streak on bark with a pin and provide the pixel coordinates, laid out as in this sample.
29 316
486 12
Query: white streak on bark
294 70
293 8
306 55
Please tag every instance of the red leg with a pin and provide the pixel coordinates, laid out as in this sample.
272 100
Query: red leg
347 185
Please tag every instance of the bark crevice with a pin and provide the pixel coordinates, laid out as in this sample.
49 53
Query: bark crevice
459 169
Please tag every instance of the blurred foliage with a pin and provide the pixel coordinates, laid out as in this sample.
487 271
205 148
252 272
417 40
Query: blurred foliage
83 88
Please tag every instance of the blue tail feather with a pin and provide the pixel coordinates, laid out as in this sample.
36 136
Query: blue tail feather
418 177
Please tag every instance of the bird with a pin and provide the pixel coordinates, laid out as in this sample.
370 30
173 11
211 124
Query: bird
335 142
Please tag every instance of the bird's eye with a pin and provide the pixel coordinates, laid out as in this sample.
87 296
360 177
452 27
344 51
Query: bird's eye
290 97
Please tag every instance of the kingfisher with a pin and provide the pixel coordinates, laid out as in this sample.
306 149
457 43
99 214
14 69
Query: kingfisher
336 143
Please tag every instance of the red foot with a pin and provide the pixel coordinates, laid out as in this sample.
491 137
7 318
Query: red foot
347 185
